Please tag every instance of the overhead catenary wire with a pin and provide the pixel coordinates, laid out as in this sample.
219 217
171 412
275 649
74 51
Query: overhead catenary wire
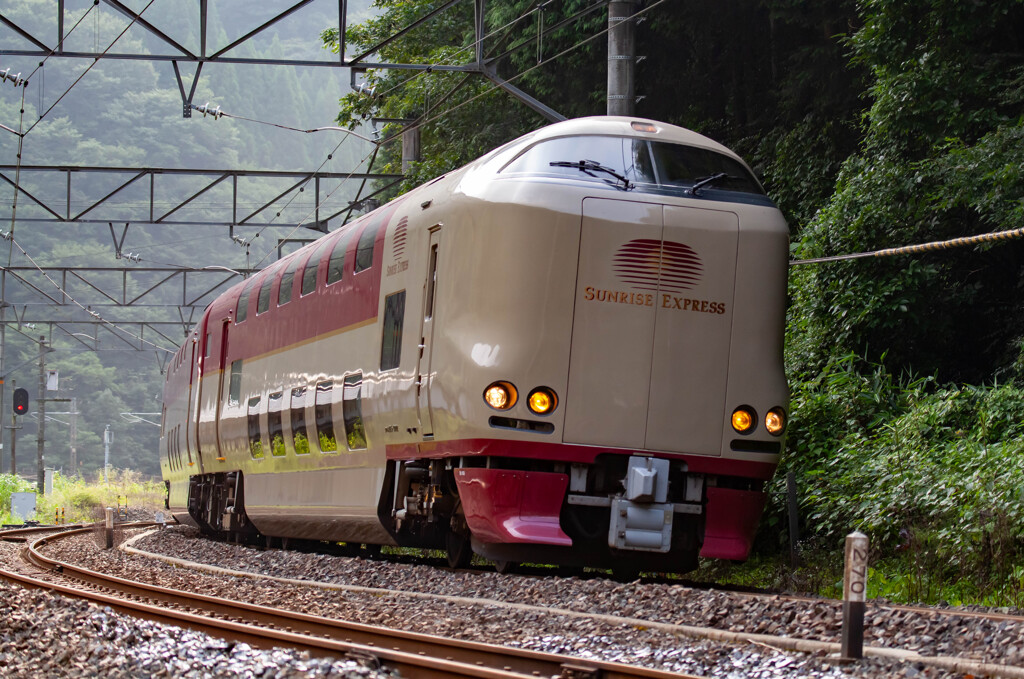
90 66
915 249
423 120
83 307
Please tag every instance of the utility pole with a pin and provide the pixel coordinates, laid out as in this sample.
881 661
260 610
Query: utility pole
14 435
40 474
74 437
107 437
621 58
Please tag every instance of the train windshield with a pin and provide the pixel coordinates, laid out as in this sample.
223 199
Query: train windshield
635 164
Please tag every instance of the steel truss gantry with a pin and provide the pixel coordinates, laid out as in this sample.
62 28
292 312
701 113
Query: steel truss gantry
60 210
207 54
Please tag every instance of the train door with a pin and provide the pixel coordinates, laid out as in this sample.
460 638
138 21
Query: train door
424 376
202 369
693 331
224 383
651 327
612 340
191 433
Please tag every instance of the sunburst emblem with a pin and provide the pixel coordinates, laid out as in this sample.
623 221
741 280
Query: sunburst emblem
400 234
648 264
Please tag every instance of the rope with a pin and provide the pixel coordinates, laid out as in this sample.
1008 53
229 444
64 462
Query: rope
924 247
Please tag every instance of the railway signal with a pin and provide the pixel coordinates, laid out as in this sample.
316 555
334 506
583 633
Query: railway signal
20 401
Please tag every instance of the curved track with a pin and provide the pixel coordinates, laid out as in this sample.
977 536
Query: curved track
414 655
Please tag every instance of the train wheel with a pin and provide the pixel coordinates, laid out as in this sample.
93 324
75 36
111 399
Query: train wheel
459 549
504 566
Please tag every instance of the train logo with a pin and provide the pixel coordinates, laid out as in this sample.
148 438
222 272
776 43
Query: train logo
401 232
648 264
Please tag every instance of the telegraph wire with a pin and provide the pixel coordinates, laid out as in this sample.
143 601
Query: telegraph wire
922 247
95 61
538 8
75 302
423 120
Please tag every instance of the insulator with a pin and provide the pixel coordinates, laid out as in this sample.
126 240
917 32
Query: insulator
363 88
16 79
6 235
241 241
205 109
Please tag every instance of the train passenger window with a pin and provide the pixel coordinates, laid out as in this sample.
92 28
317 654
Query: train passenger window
206 346
364 248
298 419
284 291
242 310
324 418
263 300
235 383
255 440
352 411
275 429
336 264
391 339
309 272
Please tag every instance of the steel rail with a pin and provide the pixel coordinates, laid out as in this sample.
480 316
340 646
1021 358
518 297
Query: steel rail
415 654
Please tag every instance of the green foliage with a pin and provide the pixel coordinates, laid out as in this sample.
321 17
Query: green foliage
942 158
301 444
10 484
930 473
328 443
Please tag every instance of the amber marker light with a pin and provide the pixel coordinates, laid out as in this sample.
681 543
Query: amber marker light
643 127
743 419
775 421
501 395
542 401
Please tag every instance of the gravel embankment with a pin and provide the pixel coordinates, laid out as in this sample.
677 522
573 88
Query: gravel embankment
533 625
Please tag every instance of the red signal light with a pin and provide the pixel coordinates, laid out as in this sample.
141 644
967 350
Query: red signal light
20 401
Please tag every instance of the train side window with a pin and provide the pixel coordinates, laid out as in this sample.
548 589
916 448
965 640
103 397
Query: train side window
235 383
206 345
284 291
263 300
309 271
336 264
255 440
364 248
391 339
352 411
275 428
324 419
242 310
298 419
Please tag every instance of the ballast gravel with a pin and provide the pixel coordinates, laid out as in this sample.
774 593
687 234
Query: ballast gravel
45 635
560 615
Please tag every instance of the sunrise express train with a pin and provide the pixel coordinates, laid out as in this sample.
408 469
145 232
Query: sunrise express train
568 351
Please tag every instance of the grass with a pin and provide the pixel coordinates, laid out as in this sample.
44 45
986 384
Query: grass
79 500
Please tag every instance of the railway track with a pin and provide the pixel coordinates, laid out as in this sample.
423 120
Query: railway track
413 654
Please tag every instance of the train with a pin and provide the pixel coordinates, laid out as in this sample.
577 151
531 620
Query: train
567 352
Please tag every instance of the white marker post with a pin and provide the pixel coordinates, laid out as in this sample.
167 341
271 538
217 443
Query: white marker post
109 528
855 585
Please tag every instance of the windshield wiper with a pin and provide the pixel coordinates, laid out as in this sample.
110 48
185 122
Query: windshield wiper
591 166
694 190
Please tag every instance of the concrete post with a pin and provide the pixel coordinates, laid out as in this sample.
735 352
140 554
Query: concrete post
855 585
621 59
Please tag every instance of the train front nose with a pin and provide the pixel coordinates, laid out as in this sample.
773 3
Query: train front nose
652 327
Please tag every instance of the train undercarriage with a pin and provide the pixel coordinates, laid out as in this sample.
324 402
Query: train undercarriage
627 513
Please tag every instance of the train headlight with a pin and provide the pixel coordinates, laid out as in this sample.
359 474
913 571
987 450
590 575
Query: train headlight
501 395
744 419
542 401
775 421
